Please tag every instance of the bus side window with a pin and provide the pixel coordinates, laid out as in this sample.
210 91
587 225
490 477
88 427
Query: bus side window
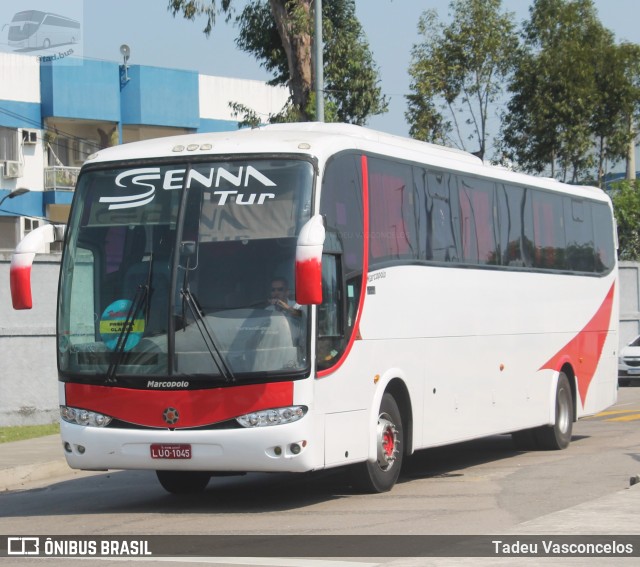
602 231
549 233
441 217
510 215
580 247
341 204
477 221
329 311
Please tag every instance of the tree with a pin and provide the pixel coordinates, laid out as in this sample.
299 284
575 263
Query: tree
352 83
460 69
351 87
568 93
279 34
617 75
626 207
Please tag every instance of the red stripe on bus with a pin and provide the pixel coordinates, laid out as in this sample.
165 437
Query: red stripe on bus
355 332
583 352
195 407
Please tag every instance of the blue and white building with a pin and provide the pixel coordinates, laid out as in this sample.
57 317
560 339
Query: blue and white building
53 114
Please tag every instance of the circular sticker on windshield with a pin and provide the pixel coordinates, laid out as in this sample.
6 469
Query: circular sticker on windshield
112 325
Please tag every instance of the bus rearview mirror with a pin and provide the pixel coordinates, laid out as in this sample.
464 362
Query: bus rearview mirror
309 262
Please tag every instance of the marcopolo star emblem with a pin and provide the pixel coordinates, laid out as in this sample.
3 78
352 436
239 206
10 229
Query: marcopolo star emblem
171 415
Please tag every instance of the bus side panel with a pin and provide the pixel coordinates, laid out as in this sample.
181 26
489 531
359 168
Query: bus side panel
482 350
352 394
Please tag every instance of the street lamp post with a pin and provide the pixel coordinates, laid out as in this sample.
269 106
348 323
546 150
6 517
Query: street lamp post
13 194
319 63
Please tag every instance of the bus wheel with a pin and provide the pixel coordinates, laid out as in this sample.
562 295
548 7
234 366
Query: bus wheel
183 482
558 435
381 475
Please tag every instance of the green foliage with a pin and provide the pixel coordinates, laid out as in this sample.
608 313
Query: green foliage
428 73
352 83
210 8
278 34
20 433
626 208
259 36
572 93
460 69
352 91
248 117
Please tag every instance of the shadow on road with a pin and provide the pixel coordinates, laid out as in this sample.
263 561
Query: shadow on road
139 491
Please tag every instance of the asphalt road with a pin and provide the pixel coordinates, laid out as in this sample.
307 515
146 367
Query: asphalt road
479 487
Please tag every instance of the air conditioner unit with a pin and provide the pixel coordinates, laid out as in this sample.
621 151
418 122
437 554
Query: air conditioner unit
12 169
29 136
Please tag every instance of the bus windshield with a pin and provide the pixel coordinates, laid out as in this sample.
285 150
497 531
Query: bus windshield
185 271
24 25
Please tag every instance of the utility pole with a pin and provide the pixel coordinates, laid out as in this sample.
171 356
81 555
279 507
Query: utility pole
319 62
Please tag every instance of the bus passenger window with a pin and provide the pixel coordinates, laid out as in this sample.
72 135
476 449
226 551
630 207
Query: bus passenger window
441 218
580 251
510 213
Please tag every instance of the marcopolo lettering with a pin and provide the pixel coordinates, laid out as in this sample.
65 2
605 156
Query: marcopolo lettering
166 384
145 179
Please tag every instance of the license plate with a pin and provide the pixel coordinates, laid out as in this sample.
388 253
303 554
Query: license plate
633 371
170 451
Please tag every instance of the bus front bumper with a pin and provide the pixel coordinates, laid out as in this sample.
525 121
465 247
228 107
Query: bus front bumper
279 448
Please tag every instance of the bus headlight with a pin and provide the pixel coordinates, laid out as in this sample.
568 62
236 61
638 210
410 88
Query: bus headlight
277 416
84 417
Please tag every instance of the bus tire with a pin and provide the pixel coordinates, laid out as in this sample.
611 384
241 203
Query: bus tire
381 475
183 482
558 435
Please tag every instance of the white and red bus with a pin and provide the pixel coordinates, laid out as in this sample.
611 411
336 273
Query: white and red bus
431 299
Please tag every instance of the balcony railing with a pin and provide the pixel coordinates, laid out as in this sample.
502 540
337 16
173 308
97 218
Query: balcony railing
58 178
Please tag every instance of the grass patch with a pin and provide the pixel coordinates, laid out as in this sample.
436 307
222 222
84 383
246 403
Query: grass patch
21 432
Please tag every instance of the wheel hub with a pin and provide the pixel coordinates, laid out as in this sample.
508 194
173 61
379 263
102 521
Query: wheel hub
387 442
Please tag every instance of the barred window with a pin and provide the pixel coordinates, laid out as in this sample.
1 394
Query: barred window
8 144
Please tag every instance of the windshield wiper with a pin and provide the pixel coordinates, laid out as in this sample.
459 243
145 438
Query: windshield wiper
142 295
207 334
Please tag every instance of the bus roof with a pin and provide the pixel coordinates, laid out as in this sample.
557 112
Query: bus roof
321 140
36 16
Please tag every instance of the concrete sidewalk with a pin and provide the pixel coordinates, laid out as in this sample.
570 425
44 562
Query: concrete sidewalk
22 462
31 460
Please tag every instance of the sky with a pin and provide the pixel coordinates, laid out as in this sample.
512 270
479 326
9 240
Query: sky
156 38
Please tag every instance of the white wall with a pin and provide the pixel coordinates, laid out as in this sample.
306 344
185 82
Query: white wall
217 92
19 78
20 82
29 379
629 301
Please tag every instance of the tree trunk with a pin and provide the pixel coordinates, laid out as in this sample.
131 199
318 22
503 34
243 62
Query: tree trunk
601 163
631 156
295 33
